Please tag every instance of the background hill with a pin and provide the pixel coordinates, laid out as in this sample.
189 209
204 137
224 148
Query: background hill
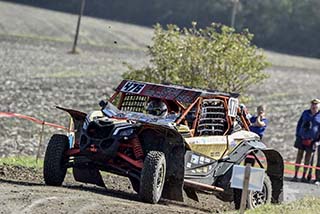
290 26
37 73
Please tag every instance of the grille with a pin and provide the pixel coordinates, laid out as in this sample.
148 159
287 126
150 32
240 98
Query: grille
212 118
134 103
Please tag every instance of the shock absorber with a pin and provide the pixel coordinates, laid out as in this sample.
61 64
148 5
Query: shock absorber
137 149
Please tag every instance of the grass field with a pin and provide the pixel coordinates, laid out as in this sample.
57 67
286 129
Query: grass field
25 161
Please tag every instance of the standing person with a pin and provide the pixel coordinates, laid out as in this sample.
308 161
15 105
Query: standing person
259 122
307 133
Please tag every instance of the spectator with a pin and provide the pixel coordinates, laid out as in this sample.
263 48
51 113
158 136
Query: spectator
307 133
259 122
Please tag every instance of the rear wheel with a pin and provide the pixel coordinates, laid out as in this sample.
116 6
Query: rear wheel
255 198
152 177
54 170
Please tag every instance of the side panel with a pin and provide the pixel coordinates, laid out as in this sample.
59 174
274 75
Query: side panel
78 118
211 146
274 169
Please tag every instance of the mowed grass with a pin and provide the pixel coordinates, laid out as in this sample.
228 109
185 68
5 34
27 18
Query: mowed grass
286 60
306 205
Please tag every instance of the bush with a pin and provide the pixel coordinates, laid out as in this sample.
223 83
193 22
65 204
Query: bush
215 57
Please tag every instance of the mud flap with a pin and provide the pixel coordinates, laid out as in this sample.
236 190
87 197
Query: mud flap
275 172
86 175
171 143
172 190
173 186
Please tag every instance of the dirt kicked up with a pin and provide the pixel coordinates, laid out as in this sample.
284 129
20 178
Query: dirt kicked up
22 190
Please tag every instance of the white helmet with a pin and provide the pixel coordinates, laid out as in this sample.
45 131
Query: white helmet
157 107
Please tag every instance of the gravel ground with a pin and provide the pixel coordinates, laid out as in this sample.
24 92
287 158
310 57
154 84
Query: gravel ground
22 190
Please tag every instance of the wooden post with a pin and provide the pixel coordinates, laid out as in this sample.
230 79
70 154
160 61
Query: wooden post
40 142
245 188
73 51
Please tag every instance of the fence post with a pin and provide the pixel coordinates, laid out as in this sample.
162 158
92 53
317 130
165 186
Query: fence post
245 188
40 141
73 51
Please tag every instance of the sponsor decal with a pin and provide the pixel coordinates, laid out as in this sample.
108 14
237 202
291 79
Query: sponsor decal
194 159
233 144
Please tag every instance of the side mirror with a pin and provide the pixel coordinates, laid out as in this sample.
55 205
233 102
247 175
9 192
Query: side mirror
103 104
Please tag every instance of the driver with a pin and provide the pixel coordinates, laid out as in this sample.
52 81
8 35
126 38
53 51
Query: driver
157 107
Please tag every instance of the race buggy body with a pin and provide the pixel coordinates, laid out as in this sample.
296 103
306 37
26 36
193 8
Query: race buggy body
193 148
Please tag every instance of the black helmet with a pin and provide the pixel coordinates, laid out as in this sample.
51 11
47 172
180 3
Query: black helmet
157 107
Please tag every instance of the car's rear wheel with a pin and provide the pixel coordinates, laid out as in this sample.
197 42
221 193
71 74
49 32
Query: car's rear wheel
152 177
54 169
255 198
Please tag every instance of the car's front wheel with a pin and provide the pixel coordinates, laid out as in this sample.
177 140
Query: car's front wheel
54 169
152 177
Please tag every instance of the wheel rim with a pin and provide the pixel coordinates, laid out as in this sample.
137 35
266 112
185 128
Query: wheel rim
259 198
160 177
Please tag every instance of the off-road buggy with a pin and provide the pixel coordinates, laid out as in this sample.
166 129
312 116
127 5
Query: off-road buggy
193 148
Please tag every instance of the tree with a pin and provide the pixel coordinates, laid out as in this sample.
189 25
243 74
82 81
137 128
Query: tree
215 57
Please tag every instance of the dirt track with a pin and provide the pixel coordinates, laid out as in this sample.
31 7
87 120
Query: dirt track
23 191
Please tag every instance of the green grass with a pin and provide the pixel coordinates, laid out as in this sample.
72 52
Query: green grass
306 205
26 161
289 167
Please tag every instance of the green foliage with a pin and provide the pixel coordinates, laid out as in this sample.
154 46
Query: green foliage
214 57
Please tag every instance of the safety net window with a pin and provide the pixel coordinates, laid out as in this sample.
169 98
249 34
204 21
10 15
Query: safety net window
134 103
212 119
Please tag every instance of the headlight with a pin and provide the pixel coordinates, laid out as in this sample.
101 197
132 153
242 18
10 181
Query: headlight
123 131
126 132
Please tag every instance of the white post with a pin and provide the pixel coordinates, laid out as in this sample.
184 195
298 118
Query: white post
40 142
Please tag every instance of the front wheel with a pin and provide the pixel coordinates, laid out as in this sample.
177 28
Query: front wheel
255 198
152 177
54 169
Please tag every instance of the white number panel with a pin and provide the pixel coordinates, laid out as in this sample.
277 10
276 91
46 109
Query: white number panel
233 107
132 87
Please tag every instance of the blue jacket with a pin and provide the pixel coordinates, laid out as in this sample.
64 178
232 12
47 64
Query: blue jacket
308 126
256 129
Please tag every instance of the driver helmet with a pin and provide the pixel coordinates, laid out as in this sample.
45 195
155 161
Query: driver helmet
157 107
